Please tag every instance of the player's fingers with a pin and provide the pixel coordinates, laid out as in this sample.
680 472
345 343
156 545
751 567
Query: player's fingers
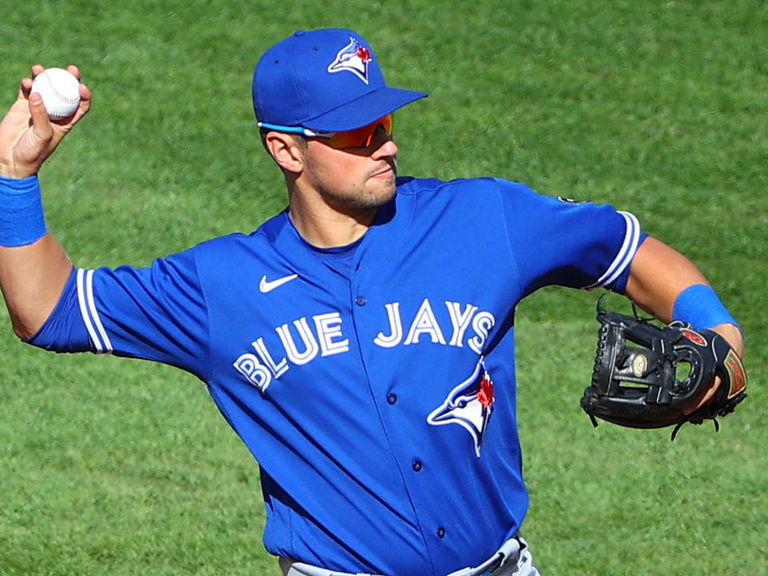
25 88
74 70
85 95
37 69
41 125
707 397
26 83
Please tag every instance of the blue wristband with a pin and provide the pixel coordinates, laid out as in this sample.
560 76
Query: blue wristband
22 220
699 306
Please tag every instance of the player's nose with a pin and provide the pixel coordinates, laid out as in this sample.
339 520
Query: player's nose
384 144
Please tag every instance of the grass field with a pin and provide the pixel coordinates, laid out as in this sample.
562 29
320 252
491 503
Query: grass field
114 467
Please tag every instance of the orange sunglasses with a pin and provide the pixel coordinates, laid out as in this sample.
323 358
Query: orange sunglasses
357 138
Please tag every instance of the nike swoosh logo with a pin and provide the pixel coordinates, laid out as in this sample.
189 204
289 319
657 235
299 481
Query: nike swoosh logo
269 285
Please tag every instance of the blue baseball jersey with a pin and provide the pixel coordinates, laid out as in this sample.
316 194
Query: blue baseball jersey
374 383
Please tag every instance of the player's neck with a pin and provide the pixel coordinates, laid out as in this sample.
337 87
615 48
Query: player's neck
324 227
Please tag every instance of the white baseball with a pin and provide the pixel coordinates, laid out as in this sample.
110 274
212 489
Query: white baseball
60 91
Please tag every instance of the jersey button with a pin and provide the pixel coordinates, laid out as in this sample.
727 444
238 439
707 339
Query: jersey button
441 532
417 465
392 398
361 300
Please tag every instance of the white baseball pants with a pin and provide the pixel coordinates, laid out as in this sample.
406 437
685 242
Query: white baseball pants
512 559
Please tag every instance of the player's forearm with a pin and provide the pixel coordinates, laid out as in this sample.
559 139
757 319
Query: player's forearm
32 278
659 279
658 275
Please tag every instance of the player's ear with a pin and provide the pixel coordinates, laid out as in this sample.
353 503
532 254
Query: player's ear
287 150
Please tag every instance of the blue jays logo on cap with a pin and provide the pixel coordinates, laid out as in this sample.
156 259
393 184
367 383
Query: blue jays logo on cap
469 405
354 57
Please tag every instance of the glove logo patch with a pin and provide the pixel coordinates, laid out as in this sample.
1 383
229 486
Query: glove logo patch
469 405
694 337
736 373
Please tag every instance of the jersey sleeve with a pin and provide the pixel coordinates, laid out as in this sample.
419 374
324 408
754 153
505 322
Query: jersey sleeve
156 313
568 243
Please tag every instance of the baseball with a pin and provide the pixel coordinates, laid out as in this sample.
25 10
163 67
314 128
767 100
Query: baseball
60 91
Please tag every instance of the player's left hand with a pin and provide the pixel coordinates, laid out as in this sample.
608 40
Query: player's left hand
735 338
27 136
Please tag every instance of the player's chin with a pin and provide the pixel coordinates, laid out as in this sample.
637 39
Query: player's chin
386 191
377 194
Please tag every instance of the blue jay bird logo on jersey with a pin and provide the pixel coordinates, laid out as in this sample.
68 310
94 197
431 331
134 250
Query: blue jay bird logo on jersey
469 405
354 57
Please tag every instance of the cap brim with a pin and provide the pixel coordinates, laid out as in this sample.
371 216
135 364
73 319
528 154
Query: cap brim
364 110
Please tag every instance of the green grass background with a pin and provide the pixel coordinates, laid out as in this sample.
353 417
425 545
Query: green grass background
117 467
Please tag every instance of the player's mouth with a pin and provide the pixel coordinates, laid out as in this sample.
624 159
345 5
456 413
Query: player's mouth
389 170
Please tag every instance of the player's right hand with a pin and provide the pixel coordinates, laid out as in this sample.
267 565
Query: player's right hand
27 136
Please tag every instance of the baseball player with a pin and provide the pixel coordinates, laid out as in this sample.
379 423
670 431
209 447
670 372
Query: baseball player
361 342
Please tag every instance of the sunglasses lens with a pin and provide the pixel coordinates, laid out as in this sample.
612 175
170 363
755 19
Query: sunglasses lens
361 137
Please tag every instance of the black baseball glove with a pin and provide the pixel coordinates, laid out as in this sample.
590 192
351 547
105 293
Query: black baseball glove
651 376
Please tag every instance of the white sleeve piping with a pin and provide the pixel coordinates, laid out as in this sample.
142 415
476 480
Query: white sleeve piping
625 254
90 314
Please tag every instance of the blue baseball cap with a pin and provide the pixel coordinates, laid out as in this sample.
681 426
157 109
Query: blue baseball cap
324 80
